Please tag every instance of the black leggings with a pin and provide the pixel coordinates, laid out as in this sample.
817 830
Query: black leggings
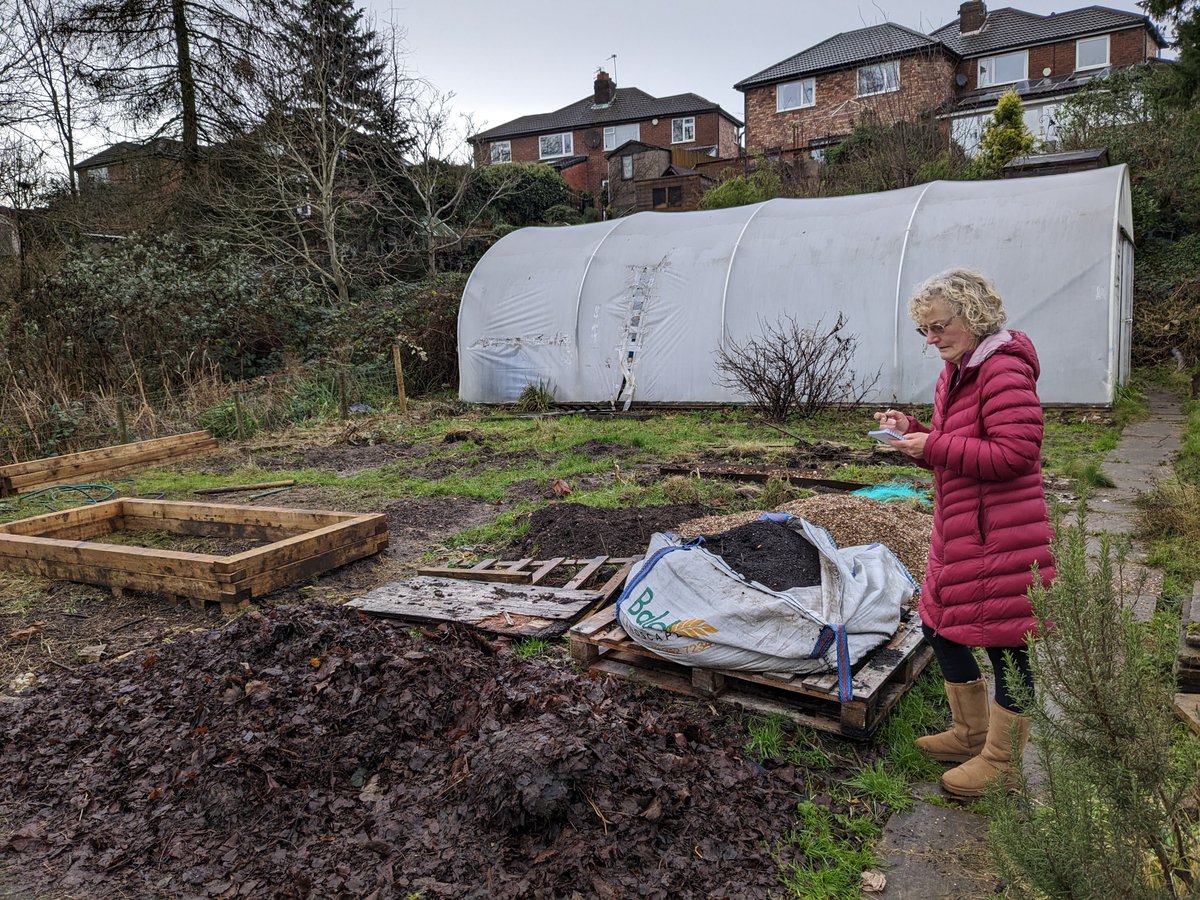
959 666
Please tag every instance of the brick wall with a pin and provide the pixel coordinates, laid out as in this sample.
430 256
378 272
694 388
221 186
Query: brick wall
925 82
711 128
1124 48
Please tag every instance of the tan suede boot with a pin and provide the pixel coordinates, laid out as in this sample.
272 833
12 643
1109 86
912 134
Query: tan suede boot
971 779
969 709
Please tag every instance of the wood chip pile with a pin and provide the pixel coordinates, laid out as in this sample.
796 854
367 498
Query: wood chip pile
851 520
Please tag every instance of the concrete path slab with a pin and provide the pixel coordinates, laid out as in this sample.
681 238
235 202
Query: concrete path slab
935 852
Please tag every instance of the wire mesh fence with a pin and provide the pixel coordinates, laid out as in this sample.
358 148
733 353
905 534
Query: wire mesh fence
34 426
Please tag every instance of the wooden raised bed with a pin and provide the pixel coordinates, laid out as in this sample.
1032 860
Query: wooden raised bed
514 597
22 477
880 679
303 543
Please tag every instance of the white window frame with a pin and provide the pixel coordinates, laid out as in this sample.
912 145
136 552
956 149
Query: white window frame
610 135
500 152
805 86
891 66
991 62
98 173
687 128
626 167
566 143
1107 52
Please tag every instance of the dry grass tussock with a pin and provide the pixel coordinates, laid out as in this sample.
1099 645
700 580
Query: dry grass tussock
1172 508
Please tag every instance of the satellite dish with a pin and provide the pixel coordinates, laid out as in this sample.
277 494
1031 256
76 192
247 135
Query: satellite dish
960 79
592 138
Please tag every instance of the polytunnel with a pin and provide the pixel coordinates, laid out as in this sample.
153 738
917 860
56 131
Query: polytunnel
635 309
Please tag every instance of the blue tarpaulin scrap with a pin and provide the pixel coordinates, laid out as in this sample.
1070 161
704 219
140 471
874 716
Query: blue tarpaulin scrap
895 490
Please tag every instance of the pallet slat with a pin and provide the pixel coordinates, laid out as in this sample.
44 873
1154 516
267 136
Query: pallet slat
880 679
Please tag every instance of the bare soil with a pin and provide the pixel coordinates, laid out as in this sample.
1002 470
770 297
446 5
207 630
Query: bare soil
313 753
770 553
572 529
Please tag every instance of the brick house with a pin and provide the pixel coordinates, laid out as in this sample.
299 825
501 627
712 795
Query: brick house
158 161
576 138
813 100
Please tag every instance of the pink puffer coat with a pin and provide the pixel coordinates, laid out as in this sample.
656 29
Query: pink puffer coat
990 522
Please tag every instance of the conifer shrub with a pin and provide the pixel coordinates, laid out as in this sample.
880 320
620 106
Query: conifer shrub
1114 811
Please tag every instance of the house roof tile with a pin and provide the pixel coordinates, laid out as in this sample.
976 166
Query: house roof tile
1007 27
125 150
629 105
842 50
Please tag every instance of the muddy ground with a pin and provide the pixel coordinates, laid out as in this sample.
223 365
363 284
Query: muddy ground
303 751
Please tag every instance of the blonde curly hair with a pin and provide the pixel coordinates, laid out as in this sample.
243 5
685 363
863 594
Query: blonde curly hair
972 296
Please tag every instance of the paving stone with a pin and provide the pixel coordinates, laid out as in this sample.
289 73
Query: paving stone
935 853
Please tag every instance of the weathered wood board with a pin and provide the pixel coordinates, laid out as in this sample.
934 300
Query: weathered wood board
524 610
72 468
303 543
1189 643
508 597
880 679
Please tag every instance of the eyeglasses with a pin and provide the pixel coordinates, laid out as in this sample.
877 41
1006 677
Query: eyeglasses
935 327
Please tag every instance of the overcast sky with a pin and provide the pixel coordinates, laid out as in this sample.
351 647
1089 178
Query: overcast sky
514 58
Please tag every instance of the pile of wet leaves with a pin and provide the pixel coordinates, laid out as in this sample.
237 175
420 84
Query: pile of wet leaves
770 553
298 753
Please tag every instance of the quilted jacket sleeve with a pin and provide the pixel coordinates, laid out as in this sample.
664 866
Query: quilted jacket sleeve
1011 417
915 426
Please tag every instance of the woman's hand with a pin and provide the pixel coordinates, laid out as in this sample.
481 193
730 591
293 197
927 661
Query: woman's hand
897 421
913 445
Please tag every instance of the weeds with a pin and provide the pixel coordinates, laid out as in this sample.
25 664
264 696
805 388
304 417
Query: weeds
831 866
536 397
528 648
880 784
766 737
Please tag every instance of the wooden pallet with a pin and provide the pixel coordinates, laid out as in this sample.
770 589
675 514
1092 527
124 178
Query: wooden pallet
303 543
880 680
1189 643
73 468
514 598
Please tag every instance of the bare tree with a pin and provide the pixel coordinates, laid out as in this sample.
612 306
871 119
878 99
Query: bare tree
789 370
22 179
438 175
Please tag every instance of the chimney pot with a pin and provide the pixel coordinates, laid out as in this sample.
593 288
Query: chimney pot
971 16
604 89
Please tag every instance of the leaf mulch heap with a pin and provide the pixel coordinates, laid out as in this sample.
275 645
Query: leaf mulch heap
298 753
771 554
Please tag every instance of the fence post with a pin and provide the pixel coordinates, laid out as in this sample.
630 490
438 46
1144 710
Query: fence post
122 425
400 393
343 399
237 413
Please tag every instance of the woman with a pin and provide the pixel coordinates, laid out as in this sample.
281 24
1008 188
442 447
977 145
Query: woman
990 522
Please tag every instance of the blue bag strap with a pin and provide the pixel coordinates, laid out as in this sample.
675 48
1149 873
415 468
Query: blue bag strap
836 634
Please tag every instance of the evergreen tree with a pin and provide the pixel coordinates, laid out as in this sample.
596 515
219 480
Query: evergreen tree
1184 15
1005 137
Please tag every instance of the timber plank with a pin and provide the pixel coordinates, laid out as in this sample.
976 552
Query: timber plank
47 522
425 598
290 550
192 528
172 563
103 576
303 569
280 517
115 451
66 472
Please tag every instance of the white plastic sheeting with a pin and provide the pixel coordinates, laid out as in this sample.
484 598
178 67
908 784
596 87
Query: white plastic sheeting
636 308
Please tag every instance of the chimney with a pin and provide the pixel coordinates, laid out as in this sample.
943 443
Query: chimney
605 89
971 16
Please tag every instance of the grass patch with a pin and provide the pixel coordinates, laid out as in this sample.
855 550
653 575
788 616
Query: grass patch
833 856
883 785
504 528
528 648
922 710
766 738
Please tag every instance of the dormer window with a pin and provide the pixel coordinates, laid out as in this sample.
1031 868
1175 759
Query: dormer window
1004 69
1091 53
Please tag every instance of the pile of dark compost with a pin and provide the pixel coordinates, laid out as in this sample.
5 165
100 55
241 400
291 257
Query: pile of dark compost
771 554
575 530
315 753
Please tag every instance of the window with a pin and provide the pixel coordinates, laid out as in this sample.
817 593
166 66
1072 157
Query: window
667 198
616 135
817 153
1091 53
1004 69
626 167
795 95
555 145
501 152
881 78
683 130
99 173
